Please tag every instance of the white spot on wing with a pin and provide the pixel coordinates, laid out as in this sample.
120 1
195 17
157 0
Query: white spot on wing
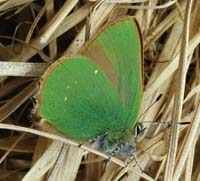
65 99
96 71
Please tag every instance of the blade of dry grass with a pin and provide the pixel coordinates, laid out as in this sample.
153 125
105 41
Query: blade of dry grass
12 85
98 16
44 163
57 20
67 168
68 23
53 173
22 69
53 45
194 91
170 3
8 4
189 163
162 70
12 147
179 94
122 1
171 67
25 146
35 23
189 142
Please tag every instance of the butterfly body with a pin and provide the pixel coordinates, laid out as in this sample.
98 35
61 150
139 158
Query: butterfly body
98 92
109 144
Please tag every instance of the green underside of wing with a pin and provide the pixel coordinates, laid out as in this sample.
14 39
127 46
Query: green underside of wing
84 97
79 100
117 50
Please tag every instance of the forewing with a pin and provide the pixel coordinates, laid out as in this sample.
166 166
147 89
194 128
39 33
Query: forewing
117 49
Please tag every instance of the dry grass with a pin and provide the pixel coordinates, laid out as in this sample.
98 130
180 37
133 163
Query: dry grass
41 32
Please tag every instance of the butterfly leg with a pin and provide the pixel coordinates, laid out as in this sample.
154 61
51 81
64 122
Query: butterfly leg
134 157
108 159
110 156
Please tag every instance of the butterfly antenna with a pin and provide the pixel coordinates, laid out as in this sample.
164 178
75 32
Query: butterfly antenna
158 122
157 99
182 123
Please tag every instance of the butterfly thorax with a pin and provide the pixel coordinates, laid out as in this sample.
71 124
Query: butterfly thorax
116 142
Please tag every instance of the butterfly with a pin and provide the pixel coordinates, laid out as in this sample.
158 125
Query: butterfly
98 93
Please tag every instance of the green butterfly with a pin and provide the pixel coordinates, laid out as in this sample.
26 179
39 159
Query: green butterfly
98 93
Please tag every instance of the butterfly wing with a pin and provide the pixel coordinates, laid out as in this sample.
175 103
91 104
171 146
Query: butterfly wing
84 97
78 99
117 49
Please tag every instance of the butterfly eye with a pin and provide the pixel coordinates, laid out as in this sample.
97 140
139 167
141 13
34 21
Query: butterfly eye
139 130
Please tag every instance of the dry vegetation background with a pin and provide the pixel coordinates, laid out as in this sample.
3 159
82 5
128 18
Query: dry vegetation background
40 32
